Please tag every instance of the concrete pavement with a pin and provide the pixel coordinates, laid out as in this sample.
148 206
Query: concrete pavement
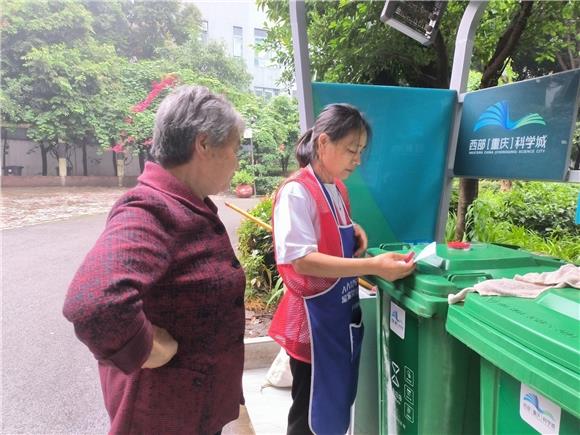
49 379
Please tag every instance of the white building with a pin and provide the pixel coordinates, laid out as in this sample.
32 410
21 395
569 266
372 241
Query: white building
239 25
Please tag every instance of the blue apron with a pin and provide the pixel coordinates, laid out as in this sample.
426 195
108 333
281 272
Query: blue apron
336 329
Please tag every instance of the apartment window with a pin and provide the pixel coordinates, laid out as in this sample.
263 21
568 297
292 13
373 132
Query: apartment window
261 58
203 30
238 42
266 93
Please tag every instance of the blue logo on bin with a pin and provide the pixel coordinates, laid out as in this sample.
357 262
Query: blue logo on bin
535 402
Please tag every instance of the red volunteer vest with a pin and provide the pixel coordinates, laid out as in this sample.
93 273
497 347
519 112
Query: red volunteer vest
289 326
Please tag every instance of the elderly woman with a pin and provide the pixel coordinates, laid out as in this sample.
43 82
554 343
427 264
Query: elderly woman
159 298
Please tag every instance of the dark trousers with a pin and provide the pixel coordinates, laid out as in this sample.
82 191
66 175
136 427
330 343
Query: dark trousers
298 415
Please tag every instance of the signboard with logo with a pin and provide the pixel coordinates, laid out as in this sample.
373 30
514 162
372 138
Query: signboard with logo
522 130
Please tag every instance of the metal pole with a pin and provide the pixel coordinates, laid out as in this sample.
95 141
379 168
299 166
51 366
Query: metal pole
459 75
252 159
302 64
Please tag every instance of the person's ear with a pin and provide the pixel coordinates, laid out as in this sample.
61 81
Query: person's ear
323 142
201 145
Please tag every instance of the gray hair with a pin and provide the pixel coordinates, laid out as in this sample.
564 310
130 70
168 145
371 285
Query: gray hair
184 114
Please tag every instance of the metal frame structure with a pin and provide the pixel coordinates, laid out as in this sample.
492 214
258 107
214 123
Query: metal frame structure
302 63
459 74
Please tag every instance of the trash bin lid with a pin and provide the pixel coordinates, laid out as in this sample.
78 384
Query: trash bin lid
534 340
427 289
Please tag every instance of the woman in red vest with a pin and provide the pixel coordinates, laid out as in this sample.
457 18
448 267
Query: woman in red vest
319 321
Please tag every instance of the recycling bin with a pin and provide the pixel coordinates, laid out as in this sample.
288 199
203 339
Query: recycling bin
429 380
365 418
530 360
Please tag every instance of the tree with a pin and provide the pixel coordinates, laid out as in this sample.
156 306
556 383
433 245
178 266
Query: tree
348 43
52 71
75 72
127 126
275 131
139 29
284 110
210 60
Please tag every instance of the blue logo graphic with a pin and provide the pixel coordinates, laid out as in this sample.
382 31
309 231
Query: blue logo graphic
535 402
395 316
499 114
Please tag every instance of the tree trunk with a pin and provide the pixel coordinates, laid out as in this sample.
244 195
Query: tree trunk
505 48
85 163
284 164
142 159
44 156
468 190
114 154
442 61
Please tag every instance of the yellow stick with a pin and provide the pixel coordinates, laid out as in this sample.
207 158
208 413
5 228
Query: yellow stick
364 283
249 216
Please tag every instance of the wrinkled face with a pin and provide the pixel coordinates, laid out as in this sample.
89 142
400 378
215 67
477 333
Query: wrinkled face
340 158
223 162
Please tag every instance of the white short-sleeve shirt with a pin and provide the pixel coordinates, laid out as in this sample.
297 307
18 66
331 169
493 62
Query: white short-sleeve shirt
297 225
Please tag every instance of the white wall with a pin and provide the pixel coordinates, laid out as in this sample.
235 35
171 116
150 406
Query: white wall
222 16
20 153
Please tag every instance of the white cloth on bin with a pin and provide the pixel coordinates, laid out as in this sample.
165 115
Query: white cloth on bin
279 374
529 285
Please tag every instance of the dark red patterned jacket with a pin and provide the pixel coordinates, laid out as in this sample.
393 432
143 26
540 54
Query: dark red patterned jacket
165 259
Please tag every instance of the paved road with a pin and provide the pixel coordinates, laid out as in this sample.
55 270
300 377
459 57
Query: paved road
49 379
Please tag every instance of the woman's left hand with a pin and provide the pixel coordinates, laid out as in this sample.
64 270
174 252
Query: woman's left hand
361 240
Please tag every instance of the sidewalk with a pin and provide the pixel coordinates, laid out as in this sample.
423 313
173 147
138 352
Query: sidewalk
266 410
32 311
24 206
268 407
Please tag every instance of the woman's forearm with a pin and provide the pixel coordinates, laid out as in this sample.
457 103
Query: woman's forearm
389 266
327 266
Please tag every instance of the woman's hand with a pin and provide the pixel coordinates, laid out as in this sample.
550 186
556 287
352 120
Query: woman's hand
392 266
164 348
361 241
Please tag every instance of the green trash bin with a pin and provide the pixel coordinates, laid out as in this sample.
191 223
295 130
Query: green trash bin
365 420
530 360
429 380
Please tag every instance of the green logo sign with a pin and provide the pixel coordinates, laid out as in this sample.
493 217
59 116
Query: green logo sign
523 130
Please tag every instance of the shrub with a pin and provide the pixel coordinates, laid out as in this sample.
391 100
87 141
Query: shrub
546 208
535 216
243 176
257 256
267 185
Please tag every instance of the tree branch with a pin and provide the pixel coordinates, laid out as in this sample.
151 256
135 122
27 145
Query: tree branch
442 61
506 45
561 62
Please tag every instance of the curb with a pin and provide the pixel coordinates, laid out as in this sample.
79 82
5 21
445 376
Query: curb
259 352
